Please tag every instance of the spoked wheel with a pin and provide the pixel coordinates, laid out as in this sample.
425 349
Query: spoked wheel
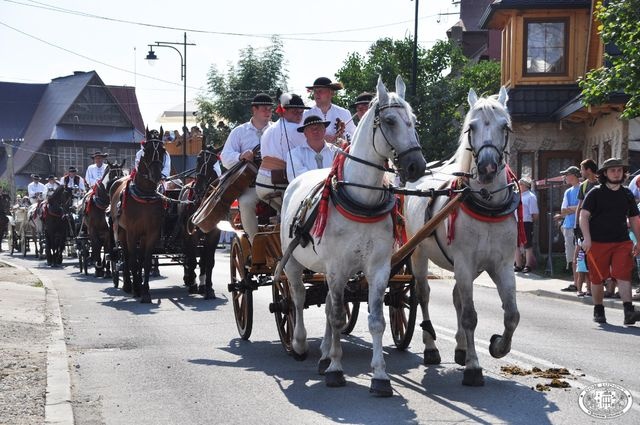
241 294
403 304
352 308
284 311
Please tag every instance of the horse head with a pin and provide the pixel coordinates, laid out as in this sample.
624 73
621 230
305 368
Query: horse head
394 131
112 173
486 128
205 171
151 163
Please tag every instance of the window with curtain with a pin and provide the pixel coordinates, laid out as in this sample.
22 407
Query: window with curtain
546 47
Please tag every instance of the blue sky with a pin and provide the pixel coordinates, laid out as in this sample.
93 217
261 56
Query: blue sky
41 40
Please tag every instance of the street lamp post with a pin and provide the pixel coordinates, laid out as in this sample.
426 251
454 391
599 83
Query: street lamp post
183 76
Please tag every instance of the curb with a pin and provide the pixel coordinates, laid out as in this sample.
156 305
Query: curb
608 303
57 409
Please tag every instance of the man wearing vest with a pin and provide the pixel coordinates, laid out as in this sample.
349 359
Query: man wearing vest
74 182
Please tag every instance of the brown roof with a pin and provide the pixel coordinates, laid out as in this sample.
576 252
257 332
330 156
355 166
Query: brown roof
126 97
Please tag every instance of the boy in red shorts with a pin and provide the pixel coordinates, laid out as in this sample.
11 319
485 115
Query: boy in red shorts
610 252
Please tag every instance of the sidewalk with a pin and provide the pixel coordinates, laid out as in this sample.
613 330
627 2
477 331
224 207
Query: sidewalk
537 284
32 334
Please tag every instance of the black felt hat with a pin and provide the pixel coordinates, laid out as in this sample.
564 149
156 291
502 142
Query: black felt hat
72 170
262 99
325 82
292 101
98 153
312 120
35 176
363 98
51 176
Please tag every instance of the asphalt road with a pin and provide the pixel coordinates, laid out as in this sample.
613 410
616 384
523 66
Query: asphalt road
179 360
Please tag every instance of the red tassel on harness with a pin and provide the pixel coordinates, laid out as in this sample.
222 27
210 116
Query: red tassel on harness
323 207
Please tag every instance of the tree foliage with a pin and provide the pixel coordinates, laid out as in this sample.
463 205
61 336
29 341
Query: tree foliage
443 81
621 73
229 93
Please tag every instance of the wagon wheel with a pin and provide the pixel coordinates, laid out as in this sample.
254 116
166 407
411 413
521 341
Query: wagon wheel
241 294
403 305
284 311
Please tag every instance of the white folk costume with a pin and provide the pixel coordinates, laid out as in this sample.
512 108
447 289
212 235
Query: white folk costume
36 190
334 112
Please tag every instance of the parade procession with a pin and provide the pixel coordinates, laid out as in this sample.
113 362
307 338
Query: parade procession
448 230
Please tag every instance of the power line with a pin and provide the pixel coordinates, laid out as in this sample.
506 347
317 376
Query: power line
284 36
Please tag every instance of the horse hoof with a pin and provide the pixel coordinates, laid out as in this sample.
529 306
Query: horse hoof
335 379
193 289
107 275
323 365
210 294
381 388
473 378
432 356
201 289
460 357
299 357
127 288
145 299
493 347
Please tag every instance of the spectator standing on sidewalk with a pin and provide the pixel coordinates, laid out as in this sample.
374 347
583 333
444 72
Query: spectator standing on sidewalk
568 213
588 169
529 216
610 252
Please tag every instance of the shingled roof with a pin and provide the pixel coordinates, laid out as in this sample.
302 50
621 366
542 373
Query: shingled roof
530 4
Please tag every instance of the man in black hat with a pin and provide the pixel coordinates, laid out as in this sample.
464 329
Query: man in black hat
52 184
361 105
240 145
603 221
323 90
95 170
36 189
316 152
275 147
74 182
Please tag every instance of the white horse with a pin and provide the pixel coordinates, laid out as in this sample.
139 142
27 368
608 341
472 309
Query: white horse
477 245
36 227
387 131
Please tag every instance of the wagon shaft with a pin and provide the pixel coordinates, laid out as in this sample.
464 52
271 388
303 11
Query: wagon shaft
400 255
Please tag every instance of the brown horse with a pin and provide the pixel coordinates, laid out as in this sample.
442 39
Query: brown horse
95 204
57 221
193 238
137 215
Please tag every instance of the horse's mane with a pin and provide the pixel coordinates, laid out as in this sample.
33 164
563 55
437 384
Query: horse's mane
56 196
490 108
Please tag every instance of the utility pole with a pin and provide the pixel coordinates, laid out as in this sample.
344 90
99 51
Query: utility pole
8 148
414 66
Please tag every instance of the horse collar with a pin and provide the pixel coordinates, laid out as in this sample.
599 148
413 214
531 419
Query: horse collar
358 211
479 209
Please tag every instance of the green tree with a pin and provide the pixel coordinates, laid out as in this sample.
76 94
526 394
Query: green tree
229 93
619 26
443 81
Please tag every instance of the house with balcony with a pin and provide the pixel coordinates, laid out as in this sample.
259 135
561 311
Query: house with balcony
546 46
50 127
